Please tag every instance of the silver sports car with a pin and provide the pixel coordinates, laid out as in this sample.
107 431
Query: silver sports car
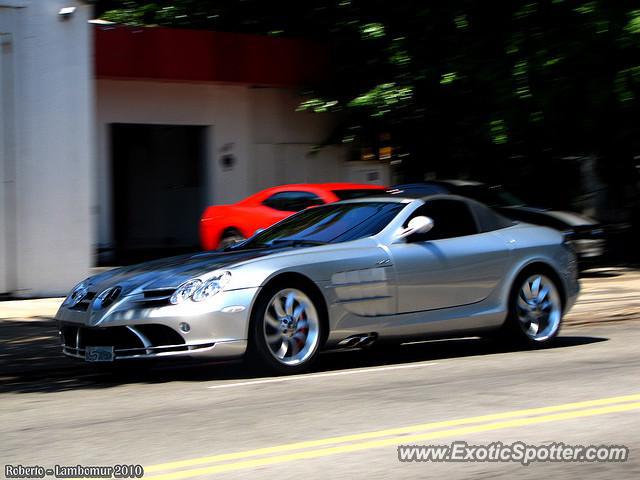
343 275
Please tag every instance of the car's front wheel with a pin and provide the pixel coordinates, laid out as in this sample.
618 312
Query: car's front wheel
285 331
535 310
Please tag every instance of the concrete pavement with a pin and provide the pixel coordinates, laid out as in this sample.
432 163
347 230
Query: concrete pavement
347 417
62 412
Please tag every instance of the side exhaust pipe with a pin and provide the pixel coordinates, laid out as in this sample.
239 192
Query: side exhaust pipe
358 341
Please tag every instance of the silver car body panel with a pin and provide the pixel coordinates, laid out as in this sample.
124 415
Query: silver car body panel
377 284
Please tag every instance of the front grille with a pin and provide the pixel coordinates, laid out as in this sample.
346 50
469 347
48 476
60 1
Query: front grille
162 292
151 299
83 304
117 337
127 342
160 334
156 298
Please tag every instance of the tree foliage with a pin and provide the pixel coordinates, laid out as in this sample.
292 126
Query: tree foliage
454 81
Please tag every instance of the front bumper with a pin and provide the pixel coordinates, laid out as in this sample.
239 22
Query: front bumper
73 346
135 330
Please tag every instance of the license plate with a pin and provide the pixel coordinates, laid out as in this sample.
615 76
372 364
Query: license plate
98 354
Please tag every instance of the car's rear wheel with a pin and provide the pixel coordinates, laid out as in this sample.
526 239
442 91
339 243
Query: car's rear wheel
286 330
229 237
535 310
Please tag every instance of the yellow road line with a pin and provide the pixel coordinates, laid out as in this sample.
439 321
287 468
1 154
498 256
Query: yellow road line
323 452
384 433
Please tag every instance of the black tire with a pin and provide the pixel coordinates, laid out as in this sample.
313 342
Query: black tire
529 322
229 237
260 353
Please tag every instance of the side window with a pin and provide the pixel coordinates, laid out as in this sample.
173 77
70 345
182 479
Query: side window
488 219
292 201
451 218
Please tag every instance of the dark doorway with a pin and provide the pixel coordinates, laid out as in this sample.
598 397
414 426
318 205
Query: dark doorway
159 174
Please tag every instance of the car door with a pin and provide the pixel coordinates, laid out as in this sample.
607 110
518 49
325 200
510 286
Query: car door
452 265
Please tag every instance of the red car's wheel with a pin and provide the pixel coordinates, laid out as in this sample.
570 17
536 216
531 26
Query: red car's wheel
229 237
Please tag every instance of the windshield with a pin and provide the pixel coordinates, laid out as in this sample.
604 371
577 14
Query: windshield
332 223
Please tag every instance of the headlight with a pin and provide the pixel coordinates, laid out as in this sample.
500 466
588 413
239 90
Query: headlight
212 286
77 294
184 291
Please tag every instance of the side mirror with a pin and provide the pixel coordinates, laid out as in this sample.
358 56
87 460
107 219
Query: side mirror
416 225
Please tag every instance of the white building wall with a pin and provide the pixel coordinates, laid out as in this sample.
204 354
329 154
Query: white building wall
47 146
224 109
55 163
271 142
284 140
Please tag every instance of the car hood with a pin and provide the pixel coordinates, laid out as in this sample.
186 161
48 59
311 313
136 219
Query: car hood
172 272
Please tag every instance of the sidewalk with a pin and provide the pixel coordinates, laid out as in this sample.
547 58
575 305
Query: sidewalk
25 309
608 294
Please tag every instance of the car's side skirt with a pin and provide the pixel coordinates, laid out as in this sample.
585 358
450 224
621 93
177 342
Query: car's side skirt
479 316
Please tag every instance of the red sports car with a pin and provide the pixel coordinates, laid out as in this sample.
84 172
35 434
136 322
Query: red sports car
225 224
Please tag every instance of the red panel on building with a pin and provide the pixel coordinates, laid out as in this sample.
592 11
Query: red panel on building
203 56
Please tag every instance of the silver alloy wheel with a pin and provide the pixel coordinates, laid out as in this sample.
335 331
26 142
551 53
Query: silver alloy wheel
291 327
539 308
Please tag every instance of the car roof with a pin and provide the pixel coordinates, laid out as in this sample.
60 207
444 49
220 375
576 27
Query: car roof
485 217
415 190
408 198
461 183
444 184
325 186
379 198
309 187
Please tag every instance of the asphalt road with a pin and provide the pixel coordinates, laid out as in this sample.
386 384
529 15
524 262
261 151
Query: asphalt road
56 411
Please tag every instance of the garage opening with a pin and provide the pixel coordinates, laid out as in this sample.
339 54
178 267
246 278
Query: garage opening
159 183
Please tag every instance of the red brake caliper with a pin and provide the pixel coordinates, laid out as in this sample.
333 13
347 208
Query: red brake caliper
299 341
